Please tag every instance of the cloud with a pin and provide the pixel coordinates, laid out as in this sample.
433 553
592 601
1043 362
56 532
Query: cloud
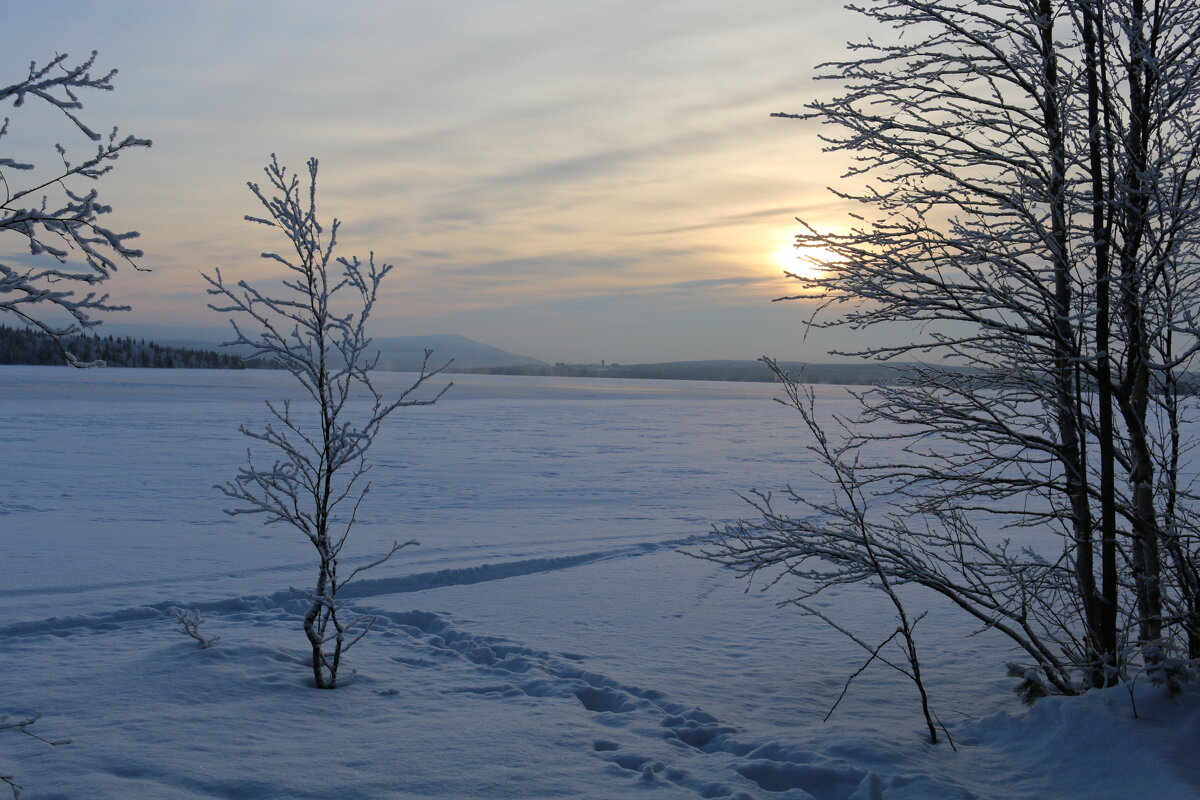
512 158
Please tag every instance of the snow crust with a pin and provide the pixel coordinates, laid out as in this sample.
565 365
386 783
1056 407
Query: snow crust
546 640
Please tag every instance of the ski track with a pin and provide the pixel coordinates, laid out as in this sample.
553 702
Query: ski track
431 557
362 588
642 718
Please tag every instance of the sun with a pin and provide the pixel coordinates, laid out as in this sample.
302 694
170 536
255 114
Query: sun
807 262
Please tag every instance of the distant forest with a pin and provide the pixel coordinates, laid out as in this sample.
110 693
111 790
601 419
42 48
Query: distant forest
718 370
852 374
28 346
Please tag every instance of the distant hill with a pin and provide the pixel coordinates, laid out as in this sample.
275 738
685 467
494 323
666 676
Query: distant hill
404 353
396 353
720 370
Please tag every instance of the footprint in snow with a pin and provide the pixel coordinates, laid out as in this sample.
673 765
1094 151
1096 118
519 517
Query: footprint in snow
772 768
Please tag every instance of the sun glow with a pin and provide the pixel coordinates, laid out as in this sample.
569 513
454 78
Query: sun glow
806 262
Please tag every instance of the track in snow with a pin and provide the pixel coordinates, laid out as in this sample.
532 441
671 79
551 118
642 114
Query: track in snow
360 589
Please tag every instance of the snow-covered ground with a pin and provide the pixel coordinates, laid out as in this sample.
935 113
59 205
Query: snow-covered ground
546 640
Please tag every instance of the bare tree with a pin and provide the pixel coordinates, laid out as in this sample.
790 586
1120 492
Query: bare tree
315 328
845 546
1027 178
58 216
60 223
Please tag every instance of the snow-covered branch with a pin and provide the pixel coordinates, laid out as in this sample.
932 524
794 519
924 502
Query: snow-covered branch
71 248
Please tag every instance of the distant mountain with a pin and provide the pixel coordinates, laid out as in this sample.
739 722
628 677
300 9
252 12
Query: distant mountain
404 353
396 353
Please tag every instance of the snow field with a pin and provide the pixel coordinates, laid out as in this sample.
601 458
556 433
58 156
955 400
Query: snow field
546 640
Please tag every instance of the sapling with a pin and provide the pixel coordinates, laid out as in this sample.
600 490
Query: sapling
315 327
189 621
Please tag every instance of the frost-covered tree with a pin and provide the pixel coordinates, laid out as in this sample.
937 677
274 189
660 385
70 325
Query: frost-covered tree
188 622
64 245
70 251
1029 202
315 327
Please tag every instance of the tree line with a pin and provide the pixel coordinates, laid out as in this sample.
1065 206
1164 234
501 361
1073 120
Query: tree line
28 346
853 374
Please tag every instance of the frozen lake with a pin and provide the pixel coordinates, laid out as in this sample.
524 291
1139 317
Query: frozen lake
502 467
545 640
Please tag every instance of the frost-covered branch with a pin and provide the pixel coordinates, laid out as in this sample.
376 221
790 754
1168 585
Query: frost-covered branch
189 621
58 218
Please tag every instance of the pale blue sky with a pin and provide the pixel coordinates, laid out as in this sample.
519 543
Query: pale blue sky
584 180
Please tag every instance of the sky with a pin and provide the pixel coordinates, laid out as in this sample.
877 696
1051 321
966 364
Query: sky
574 181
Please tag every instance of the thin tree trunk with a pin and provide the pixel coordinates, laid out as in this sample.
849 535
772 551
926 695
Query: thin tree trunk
1136 390
1066 355
1104 614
